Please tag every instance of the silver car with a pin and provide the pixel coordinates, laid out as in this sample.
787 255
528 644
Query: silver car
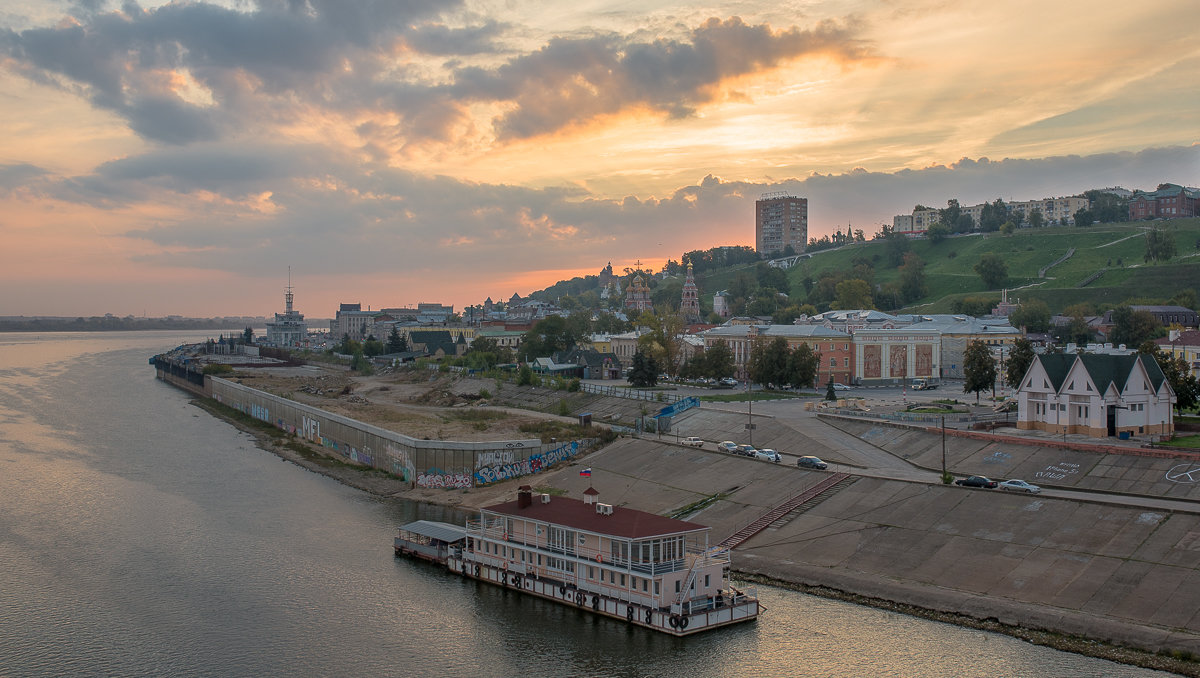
1020 486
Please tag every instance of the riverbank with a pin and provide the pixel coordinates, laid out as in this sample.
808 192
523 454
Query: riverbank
381 484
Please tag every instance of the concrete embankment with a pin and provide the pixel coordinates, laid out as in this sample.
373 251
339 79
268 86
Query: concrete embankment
1122 575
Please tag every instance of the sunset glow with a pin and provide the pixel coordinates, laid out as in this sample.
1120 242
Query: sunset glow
177 158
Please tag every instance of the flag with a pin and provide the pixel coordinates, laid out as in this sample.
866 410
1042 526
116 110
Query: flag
586 472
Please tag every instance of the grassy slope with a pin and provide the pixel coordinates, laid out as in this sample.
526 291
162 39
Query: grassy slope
1027 251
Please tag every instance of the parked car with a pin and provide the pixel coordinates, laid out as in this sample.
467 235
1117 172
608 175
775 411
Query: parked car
727 446
809 461
976 481
745 450
841 387
729 381
767 454
1019 486
693 441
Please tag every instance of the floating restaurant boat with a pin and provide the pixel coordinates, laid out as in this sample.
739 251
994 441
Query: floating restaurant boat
643 568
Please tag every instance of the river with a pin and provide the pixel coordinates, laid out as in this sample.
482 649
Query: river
139 536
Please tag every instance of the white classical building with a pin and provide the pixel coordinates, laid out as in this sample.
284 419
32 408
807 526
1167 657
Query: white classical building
289 328
1098 395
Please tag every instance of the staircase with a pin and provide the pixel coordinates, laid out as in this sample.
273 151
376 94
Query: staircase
811 496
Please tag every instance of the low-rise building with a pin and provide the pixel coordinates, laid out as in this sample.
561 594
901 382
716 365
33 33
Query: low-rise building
957 331
837 357
1184 345
1099 395
1170 201
893 356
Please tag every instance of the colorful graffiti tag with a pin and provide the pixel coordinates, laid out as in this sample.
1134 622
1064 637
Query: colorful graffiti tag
445 481
535 463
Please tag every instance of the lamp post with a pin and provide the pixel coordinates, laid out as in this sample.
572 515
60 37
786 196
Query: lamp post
750 410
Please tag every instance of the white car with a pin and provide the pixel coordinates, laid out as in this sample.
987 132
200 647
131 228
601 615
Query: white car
693 441
841 387
1020 486
767 454
727 446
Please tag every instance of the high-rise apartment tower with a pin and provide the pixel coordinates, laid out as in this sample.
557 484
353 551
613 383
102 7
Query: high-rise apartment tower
780 219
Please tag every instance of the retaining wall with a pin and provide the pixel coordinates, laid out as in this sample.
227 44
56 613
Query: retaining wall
426 463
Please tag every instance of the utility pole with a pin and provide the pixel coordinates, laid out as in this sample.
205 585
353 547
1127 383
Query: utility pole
943 448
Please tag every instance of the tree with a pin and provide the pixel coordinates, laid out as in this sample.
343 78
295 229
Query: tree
1036 220
664 341
373 347
769 362
1175 369
719 360
1084 217
978 368
937 232
1033 315
912 278
830 392
852 294
1132 327
802 366
248 335
644 372
992 270
897 246
1019 359
949 216
992 216
1160 245
547 337
396 342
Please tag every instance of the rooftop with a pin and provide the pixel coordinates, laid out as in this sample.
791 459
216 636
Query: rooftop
575 514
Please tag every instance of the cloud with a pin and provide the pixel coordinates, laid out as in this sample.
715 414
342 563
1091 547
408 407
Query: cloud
575 80
191 72
331 217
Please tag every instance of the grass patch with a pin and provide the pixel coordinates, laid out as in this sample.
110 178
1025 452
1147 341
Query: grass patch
552 491
935 410
1182 441
558 430
691 508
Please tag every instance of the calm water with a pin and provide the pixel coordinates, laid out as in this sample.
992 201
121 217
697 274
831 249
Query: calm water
141 537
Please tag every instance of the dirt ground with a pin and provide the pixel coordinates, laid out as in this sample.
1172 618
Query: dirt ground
430 405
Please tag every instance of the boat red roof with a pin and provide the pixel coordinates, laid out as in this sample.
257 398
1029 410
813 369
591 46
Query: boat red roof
573 513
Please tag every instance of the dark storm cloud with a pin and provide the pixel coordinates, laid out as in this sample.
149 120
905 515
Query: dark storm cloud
256 68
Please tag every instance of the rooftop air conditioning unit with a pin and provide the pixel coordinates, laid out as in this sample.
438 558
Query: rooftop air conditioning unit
545 499
604 509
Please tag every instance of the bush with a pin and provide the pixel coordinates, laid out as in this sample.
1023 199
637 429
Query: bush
218 368
563 408
573 386
484 394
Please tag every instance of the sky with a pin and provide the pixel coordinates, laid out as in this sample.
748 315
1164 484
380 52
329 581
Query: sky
178 158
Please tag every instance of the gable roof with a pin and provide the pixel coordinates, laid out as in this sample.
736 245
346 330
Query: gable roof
1104 369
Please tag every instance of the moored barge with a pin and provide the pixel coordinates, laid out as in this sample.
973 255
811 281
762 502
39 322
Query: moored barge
639 567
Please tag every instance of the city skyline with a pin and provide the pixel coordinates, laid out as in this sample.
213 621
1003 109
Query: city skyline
177 158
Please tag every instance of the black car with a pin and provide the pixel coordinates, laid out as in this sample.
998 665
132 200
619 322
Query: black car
810 461
976 481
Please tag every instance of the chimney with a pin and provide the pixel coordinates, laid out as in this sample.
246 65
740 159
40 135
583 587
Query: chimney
524 496
590 495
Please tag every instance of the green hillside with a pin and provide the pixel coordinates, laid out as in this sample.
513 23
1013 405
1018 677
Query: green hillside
1114 250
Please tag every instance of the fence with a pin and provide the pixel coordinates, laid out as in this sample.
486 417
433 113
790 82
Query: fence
631 393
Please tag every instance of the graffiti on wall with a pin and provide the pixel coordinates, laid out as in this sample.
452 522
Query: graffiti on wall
495 458
535 463
399 462
312 427
435 478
